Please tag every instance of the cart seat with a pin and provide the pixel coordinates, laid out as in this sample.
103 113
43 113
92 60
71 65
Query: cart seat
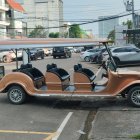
85 71
61 73
35 74
25 66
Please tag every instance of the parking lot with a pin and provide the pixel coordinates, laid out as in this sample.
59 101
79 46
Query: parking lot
43 119
53 119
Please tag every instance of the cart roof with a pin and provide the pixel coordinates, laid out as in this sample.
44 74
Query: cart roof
47 43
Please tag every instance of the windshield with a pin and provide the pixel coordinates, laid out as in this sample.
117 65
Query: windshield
112 65
58 49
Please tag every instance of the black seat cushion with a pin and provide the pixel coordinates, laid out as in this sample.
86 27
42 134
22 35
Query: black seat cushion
85 71
61 73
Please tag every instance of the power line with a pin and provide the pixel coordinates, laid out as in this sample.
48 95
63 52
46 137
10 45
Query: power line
84 23
70 20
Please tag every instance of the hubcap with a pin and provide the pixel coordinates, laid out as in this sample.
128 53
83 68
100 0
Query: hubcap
15 95
136 97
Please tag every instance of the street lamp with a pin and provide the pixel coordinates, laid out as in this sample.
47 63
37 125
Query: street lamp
67 27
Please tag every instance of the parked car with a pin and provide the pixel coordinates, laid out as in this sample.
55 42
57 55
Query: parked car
86 54
6 55
124 55
61 52
71 49
78 49
94 57
47 51
36 53
100 55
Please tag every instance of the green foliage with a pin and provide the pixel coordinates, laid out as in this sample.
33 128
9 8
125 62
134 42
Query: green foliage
54 35
75 31
137 136
111 35
38 32
128 23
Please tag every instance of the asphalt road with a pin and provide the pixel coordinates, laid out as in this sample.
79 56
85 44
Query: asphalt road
55 119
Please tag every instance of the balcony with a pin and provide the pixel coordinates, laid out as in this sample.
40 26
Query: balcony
4 22
4 7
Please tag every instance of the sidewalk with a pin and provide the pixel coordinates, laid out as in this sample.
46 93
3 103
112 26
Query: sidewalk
117 122
115 125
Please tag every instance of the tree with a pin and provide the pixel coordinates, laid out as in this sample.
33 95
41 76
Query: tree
128 23
54 35
75 31
111 35
38 32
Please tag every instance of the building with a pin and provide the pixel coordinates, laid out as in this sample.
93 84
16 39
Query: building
137 20
15 28
120 38
3 20
8 8
47 13
105 25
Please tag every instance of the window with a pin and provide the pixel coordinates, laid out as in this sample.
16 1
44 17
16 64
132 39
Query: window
132 49
40 1
119 50
91 51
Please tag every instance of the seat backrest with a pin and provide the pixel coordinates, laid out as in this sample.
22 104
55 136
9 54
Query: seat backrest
76 68
54 65
49 67
25 66
85 71
80 66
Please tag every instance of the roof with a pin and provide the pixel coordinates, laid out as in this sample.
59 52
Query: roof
46 42
15 5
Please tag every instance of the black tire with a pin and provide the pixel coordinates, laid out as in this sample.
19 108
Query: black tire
54 57
96 60
117 61
87 59
16 95
70 56
66 55
42 56
133 96
34 58
5 59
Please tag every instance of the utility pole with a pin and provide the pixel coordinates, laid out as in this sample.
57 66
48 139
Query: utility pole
133 15
130 7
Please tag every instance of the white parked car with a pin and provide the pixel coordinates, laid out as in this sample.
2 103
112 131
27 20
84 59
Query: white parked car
86 55
47 51
6 55
78 49
124 55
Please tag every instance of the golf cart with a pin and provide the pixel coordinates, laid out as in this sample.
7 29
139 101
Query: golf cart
27 80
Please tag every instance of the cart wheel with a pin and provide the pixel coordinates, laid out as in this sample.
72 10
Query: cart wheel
16 95
133 96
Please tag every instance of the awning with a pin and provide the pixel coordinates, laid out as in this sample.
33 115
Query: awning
14 5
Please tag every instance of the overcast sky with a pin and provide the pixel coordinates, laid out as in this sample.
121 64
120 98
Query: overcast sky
92 9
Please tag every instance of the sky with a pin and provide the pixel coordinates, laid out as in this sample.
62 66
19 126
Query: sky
87 10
